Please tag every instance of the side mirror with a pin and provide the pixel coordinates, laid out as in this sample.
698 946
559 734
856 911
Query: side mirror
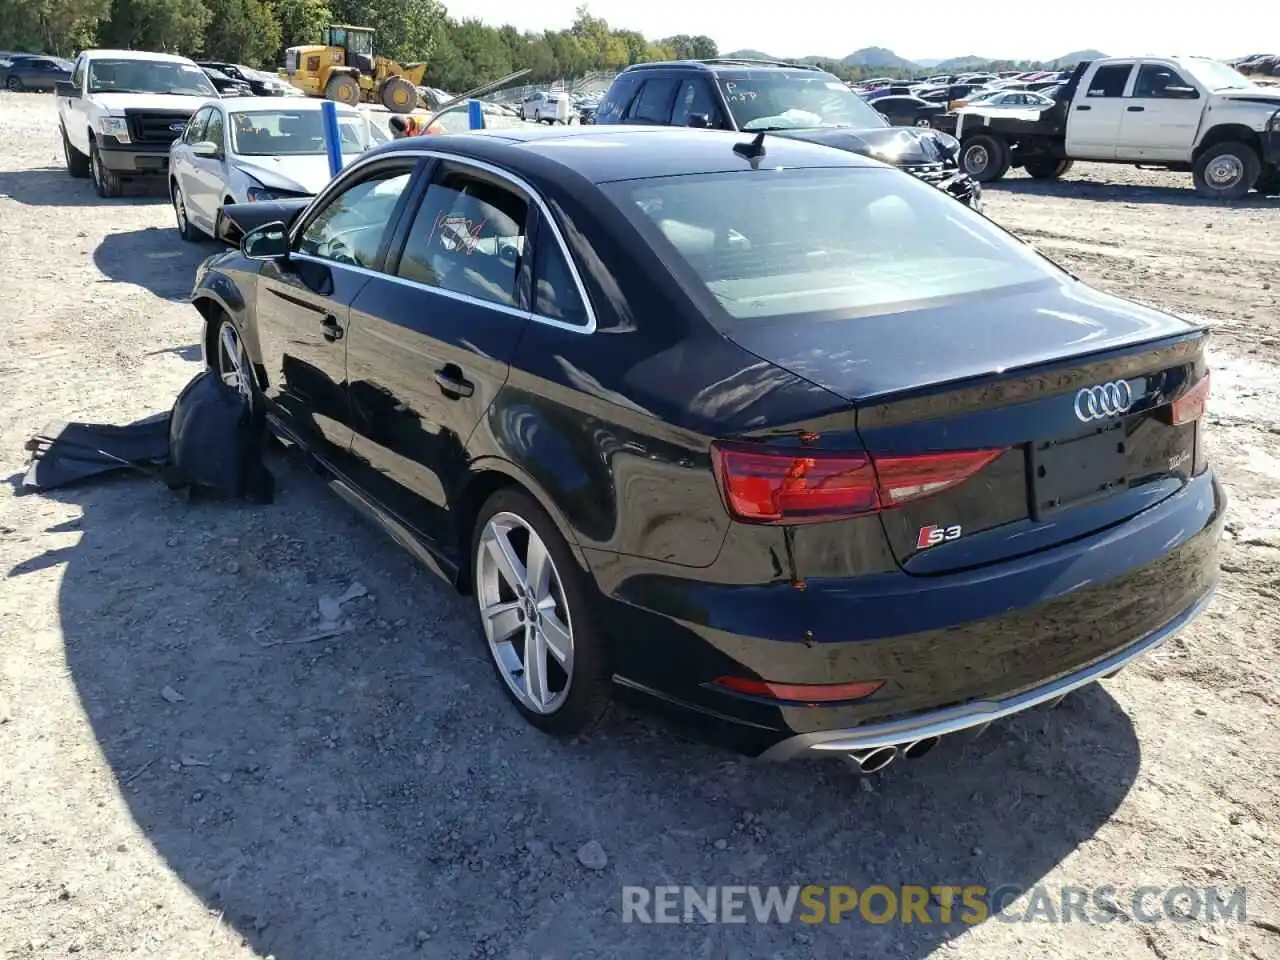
1181 93
698 120
65 88
267 242
206 148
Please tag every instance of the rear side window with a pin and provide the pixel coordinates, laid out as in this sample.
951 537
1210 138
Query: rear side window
617 99
555 292
467 237
822 243
654 103
1109 81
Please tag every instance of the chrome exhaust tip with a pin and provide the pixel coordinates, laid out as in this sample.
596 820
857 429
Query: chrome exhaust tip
918 748
871 761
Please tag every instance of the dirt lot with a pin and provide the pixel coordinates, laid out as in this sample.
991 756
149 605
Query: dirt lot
373 796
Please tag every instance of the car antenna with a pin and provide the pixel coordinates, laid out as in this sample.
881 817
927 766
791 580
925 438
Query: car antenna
753 150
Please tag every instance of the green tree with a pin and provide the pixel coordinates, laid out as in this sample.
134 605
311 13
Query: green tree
175 26
300 21
60 27
241 31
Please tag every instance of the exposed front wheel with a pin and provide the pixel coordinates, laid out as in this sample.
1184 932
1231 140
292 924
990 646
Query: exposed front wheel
1048 169
232 361
531 597
1226 171
106 182
985 157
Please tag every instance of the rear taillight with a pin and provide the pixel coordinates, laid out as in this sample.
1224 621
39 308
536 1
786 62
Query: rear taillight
1191 405
806 693
773 485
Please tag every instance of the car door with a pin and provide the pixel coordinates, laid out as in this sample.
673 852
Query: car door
432 340
207 176
1093 124
302 303
180 157
1162 117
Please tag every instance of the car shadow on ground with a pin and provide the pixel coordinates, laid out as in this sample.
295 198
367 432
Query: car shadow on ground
154 258
53 187
373 794
1183 196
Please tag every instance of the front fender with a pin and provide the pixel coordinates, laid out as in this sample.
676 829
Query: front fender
218 292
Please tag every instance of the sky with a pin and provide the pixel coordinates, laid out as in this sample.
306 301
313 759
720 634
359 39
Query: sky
937 29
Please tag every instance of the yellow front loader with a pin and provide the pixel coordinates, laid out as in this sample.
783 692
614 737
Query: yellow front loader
343 68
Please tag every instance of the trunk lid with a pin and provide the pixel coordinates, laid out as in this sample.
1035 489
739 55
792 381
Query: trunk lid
1074 386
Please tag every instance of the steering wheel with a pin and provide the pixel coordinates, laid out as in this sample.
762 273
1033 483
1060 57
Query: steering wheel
509 252
338 250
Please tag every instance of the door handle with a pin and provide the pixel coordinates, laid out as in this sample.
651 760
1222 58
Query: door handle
452 383
1136 109
332 329
1084 106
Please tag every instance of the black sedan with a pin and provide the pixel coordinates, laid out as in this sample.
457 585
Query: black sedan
226 85
260 84
24 72
756 429
909 111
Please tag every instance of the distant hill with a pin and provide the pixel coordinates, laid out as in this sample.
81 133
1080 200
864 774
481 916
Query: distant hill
879 58
1071 59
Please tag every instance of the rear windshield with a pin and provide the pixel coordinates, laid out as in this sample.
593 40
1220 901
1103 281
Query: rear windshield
824 243
795 100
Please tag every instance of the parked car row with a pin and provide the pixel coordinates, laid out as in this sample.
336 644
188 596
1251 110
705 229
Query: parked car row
921 102
1259 64
32 71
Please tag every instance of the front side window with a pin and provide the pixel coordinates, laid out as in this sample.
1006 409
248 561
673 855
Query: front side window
793 100
149 76
823 243
1155 80
654 103
1109 81
196 126
351 227
467 237
214 129
293 133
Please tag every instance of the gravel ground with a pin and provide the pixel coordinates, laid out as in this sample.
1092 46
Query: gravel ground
176 783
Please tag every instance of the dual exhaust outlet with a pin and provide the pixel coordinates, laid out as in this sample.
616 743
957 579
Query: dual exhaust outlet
877 758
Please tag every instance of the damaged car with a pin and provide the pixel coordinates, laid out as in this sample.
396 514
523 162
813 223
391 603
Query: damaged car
788 99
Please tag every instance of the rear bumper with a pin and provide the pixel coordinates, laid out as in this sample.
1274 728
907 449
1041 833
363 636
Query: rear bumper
978 713
955 650
137 159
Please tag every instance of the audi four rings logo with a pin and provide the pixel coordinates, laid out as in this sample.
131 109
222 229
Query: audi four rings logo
1104 400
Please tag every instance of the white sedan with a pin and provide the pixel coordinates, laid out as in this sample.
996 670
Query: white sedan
256 148
1011 99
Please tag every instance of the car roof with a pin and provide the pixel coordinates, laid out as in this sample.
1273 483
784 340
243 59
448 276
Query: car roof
725 65
241 104
134 55
602 154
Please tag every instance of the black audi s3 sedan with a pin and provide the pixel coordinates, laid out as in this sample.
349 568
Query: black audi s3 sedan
761 431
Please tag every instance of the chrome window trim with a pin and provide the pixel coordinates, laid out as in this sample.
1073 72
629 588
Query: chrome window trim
352 171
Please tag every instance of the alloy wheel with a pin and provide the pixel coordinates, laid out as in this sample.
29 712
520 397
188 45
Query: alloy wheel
233 364
524 613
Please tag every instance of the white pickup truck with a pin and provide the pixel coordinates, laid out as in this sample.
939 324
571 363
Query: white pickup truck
1187 114
120 111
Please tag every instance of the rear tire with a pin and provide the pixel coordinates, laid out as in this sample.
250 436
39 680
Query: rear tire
106 183
572 691
985 157
344 89
1226 171
1048 169
77 162
398 95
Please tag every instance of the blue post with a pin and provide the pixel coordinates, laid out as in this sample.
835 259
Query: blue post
332 138
475 114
